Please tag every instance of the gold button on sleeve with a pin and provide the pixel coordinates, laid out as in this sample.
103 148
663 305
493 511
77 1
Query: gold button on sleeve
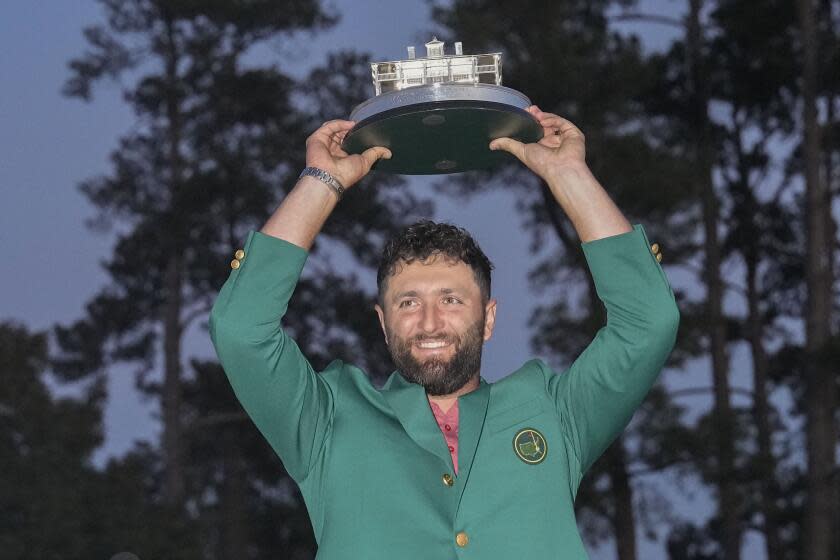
658 257
240 254
461 539
234 264
447 479
655 247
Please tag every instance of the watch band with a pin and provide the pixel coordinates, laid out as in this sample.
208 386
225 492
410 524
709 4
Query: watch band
325 177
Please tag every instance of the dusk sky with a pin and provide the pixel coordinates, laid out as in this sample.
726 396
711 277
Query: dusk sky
50 143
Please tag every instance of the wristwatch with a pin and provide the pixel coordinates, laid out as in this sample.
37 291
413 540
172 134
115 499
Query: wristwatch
325 177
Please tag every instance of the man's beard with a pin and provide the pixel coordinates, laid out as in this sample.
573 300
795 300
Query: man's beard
439 376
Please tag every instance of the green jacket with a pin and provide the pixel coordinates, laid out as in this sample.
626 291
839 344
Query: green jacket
372 464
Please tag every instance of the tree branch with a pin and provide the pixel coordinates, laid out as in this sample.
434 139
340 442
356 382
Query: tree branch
656 468
702 390
195 313
647 18
699 270
216 420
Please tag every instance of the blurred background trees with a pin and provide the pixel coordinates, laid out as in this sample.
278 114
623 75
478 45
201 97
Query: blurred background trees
725 145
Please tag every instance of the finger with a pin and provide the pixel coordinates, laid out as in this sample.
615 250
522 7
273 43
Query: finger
536 112
558 123
337 125
336 150
540 114
337 140
550 134
550 141
371 155
509 145
326 130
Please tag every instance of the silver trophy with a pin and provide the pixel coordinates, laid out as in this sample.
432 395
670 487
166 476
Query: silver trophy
437 114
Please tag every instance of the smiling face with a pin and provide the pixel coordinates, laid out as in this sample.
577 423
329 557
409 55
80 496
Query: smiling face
435 322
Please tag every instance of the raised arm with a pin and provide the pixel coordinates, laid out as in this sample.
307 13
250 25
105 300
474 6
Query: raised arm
597 396
559 158
303 212
289 403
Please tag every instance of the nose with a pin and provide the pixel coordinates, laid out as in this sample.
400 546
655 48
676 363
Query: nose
431 320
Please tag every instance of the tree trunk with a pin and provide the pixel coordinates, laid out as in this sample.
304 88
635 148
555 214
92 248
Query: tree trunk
723 417
752 254
761 414
171 398
820 509
722 411
174 484
624 520
233 503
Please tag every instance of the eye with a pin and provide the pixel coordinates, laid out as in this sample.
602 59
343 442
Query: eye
406 303
451 299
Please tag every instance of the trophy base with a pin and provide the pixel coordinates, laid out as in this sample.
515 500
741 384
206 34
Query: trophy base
442 136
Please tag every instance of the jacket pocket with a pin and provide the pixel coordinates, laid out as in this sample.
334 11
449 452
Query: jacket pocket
517 414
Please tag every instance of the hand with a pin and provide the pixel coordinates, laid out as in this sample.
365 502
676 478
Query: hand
562 146
323 150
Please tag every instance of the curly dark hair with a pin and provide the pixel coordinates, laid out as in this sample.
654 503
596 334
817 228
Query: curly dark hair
426 239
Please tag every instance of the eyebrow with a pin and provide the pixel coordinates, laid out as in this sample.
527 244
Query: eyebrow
415 293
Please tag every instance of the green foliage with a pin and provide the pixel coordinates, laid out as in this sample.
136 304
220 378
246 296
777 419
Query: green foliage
219 138
655 125
45 448
577 67
55 504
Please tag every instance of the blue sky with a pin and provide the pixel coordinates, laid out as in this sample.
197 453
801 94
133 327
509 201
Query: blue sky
51 143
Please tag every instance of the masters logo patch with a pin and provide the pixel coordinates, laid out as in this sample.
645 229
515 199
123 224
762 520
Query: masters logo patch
530 446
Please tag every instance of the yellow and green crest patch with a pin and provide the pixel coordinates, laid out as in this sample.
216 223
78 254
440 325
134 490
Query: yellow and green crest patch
530 446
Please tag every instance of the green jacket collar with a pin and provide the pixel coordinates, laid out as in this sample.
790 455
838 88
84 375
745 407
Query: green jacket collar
410 404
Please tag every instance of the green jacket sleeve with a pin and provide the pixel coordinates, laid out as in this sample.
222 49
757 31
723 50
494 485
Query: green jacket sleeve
289 403
599 393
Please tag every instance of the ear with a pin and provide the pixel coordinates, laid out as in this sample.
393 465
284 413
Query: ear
381 313
489 318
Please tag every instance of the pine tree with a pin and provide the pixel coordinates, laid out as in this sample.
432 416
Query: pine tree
219 138
580 69
46 444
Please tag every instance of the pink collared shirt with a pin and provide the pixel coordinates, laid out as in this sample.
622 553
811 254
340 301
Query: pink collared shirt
448 422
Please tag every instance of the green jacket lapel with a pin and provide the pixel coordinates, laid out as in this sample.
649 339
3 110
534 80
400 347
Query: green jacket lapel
472 410
409 403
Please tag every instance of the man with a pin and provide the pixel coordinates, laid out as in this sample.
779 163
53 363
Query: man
438 463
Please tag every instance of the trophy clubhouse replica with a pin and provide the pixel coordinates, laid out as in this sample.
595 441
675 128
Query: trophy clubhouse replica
439 113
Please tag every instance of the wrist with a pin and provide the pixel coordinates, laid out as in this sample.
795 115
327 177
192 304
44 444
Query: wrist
302 213
326 178
569 175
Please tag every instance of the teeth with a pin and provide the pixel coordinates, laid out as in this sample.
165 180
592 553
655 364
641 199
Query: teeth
439 344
